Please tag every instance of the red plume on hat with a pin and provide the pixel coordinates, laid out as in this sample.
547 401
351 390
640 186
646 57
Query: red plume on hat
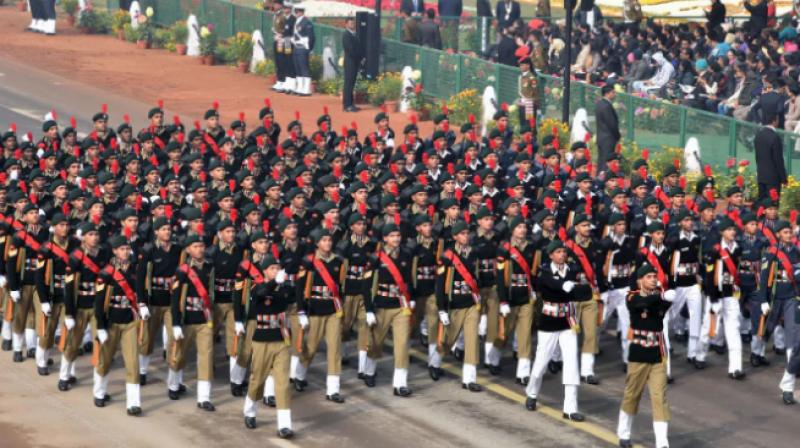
168 211
297 115
709 195
490 204
451 169
384 109
335 196
163 193
467 217
265 226
23 186
97 191
459 194
63 174
275 173
234 215
202 176
423 179
204 207
353 126
18 154
76 151
740 181
477 180
128 233
556 144
160 104
510 192
279 151
328 223
431 210
34 198
557 186
200 228
471 119
73 122
267 103
613 166
362 209
368 159
690 204
793 217
115 167
65 208
548 203
562 233
232 185
364 177
154 160
197 125
287 213
621 183
13 128
54 114
215 105
96 219
299 181
138 204
250 164
42 165
524 210
425 158
413 118
773 194
411 139
492 162
397 219
646 154
643 172
682 182
587 207
707 171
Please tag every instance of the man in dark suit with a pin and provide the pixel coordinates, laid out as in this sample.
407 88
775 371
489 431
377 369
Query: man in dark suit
352 62
507 12
607 125
770 103
770 170
450 13
429 30
412 7
507 48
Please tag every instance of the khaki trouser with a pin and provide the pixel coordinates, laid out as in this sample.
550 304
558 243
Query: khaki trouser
655 377
83 318
4 299
330 328
587 319
520 321
245 349
23 317
426 307
465 319
223 314
270 358
354 311
202 336
160 316
294 325
491 305
400 323
125 335
47 334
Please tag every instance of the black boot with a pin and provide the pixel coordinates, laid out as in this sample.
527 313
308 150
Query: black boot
369 380
300 385
402 392
575 416
134 411
142 379
31 353
6 345
42 371
18 357
336 398
458 354
285 433
206 406
269 401
530 404
63 386
250 422
788 398
434 373
472 387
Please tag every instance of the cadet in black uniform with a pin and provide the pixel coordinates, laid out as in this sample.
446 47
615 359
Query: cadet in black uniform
423 250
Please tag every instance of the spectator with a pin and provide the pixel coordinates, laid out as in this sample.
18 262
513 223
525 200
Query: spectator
411 29
412 7
507 13
484 9
738 104
793 108
664 72
507 47
770 169
632 11
450 13
758 16
607 125
430 35
715 16
639 69
543 9
771 103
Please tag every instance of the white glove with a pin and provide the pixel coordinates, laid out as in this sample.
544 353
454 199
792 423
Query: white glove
177 333
765 308
371 319
568 286
102 336
483 325
144 312
239 327
46 309
3 281
281 277
303 321
69 323
14 296
412 304
669 295
505 310
444 318
716 307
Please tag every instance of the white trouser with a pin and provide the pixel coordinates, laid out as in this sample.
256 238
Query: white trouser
30 338
174 379
293 361
132 395
616 301
469 373
237 374
41 357
284 418
434 357
370 366
523 367
546 344
758 346
362 359
144 363
6 330
269 387
203 391
332 385
400 378
788 380
730 316
587 364
625 425
63 373
693 299
492 354
100 386
250 407
778 337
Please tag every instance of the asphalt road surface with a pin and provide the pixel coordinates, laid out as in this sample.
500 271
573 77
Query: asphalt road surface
708 409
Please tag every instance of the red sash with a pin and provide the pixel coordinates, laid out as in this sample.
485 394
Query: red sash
726 258
57 251
29 241
785 263
252 271
734 216
584 261
392 267
119 279
199 287
86 261
653 260
213 143
768 233
329 282
661 196
517 256
465 274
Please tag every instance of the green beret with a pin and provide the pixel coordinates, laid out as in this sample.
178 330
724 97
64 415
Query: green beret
117 241
389 228
554 245
458 227
645 269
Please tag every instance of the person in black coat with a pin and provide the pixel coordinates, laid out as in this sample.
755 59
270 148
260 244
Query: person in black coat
484 8
450 12
431 36
758 17
507 12
770 169
352 61
607 125
412 7
715 15
771 103
507 48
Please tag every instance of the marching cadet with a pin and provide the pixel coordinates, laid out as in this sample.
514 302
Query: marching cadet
753 246
517 296
389 304
486 241
721 285
685 246
119 317
268 301
423 250
156 268
778 291
620 253
22 261
85 262
356 249
557 328
52 282
225 257
585 253
648 306
458 296
193 322
320 310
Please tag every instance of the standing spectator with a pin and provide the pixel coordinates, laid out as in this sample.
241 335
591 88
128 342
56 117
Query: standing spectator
633 12
507 48
506 13
352 61
715 16
770 103
758 16
450 13
607 125
412 7
431 36
543 9
484 9
411 32
770 170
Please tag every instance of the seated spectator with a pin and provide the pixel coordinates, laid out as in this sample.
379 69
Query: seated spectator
664 72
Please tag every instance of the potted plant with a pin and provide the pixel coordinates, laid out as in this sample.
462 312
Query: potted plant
145 29
118 22
180 32
266 68
240 49
386 90
70 8
94 22
208 44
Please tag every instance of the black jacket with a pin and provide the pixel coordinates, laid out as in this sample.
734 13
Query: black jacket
352 51
607 126
500 14
769 157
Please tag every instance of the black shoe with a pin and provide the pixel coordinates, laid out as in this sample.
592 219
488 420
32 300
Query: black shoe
63 386
336 398
699 365
737 375
402 392
746 338
285 433
142 379
345 361
625 443
250 422
100 402
50 362
458 354
434 373
778 351
361 375
236 390
683 338
494 370
625 367
670 380
42 371
575 416
72 380
87 347
31 353
472 387
18 357
300 385
718 349
369 380
182 389
523 381
755 360
173 394
6 345
788 398
764 361
352 109
206 406
552 367
106 398
530 404
690 360
134 411
591 379
269 401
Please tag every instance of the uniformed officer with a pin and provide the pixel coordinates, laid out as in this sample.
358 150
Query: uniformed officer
303 43
528 91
